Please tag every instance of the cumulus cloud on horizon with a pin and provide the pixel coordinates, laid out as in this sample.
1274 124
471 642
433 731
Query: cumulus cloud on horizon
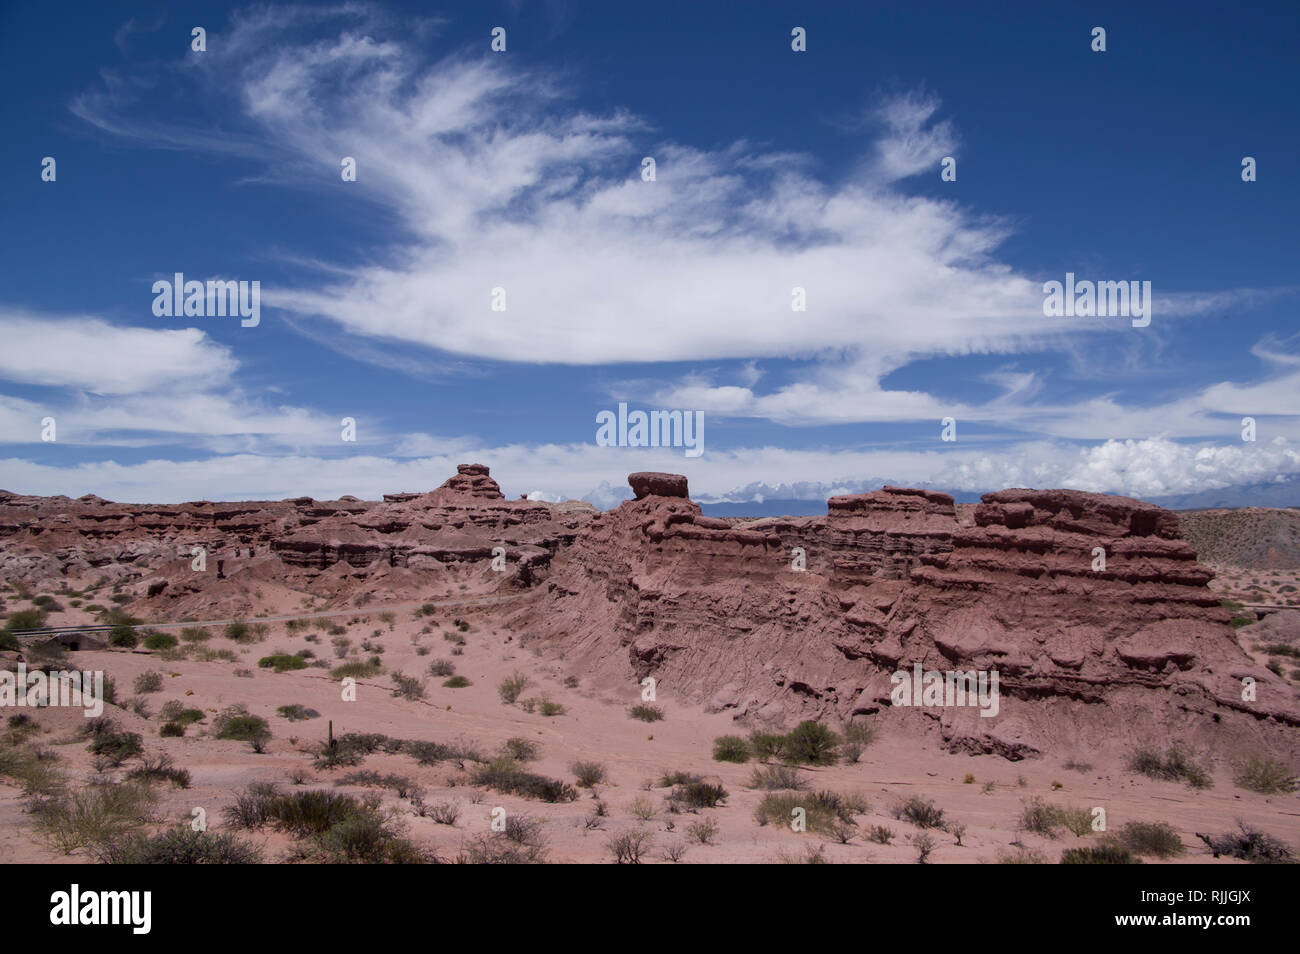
1147 468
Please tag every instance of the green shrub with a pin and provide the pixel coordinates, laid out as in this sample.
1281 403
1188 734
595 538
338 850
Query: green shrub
282 662
776 778
505 776
123 636
778 808
297 713
357 670
731 748
1266 776
175 711
1151 838
1174 764
767 745
252 807
694 795
239 632
407 687
365 838
30 767
1107 851
1021 855
1077 821
402 785
1039 817
151 681
497 849
311 812
857 736
115 746
520 749
512 687
171 730
456 682
811 743
159 768
879 834
179 846
93 815
25 619
646 713
237 723
669 779
588 774
920 812
158 641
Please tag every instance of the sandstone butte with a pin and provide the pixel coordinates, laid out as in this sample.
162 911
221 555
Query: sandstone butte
716 611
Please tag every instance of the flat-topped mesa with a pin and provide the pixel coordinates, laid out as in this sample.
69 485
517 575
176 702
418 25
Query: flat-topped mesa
1070 533
648 482
882 534
901 501
472 480
887 532
1076 511
1091 601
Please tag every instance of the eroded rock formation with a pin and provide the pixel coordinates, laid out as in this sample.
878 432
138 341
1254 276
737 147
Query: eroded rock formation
1092 609
348 551
1086 652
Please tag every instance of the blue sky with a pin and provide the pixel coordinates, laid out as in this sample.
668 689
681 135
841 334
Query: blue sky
521 170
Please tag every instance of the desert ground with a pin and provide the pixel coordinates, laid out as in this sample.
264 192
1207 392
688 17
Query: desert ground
983 797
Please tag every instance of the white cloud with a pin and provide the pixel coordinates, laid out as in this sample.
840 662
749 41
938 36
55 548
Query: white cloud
127 386
90 354
1138 468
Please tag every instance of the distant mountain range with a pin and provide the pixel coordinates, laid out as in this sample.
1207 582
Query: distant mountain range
1273 493
1285 493
808 498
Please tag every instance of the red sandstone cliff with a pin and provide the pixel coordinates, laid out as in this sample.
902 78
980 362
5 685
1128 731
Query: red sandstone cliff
717 614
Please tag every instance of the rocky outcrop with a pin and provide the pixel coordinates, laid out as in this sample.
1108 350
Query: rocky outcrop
1091 608
647 483
1085 603
333 548
880 535
458 524
42 537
